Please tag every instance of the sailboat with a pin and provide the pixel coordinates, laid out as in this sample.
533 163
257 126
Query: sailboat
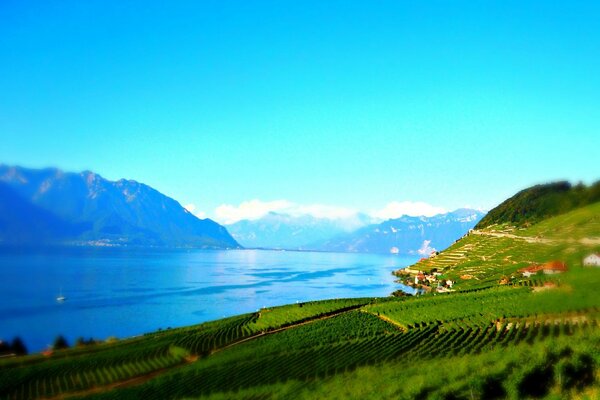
60 298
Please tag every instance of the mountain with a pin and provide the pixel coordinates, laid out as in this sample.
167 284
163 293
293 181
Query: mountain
406 235
283 231
51 206
24 222
541 201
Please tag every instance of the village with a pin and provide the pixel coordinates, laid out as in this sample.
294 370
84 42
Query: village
434 280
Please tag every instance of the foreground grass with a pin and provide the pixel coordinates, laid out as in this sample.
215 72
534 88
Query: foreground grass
557 368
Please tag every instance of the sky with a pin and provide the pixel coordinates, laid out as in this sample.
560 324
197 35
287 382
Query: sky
233 107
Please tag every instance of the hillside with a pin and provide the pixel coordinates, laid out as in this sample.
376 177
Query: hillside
406 235
54 207
539 202
484 257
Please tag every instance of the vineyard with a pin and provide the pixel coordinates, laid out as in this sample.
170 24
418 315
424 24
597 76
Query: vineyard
312 342
101 365
481 259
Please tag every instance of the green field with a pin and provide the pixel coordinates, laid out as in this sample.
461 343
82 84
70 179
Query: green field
518 340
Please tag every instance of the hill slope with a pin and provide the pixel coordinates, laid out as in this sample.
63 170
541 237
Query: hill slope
484 256
536 203
84 208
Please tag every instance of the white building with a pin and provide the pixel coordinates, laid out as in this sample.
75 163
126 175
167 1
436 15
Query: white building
593 260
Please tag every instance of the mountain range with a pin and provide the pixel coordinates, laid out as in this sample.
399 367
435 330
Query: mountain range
284 231
407 235
49 206
359 233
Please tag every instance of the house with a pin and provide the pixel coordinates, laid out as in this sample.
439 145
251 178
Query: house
449 283
533 269
554 267
419 277
593 260
549 268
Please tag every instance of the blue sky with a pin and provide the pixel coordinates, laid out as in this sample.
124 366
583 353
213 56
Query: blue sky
349 104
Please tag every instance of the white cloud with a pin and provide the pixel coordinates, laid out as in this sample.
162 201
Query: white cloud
252 209
396 209
323 211
425 249
192 209
255 209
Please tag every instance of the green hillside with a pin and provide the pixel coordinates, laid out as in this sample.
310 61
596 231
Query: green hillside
484 257
539 202
529 337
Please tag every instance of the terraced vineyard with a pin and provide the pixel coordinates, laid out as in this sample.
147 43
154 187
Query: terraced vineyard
483 258
47 379
101 365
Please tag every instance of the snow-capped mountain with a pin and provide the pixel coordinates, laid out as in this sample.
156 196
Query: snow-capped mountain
284 231
406 235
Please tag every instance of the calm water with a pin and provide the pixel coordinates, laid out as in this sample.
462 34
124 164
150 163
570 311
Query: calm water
126 293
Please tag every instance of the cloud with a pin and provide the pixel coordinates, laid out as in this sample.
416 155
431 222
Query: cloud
255 209
396 209
425 249
251 209
192 209
324 211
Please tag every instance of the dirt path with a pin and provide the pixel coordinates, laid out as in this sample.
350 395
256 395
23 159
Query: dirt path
136 380
528 239
310 321
140 379
389 321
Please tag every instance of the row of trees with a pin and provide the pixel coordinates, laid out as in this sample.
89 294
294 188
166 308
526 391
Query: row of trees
17 346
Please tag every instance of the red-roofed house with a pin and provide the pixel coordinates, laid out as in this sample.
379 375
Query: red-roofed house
554 267
531 270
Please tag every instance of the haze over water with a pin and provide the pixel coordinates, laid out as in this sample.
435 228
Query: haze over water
112 292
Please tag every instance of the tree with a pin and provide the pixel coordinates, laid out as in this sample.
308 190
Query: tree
4 347
18 347
60 343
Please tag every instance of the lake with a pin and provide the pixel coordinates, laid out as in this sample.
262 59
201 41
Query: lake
122 293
